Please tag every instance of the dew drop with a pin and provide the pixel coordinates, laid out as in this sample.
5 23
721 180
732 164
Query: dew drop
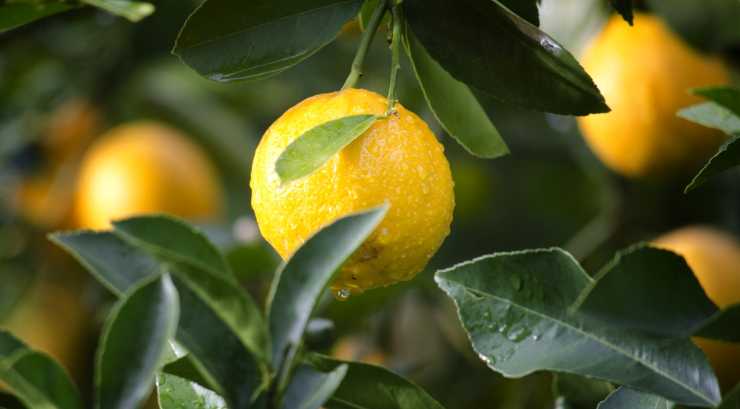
535 337
342 294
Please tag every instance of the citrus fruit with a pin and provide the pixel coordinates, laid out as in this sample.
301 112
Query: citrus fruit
398 161
145 167
714 256
645 73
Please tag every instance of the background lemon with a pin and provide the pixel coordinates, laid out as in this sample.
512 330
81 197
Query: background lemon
145 167
714 256
398 160
644 72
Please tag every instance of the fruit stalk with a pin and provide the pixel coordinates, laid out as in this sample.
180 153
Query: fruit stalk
395 55
367 39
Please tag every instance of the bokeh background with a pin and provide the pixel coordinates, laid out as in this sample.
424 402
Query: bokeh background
66 80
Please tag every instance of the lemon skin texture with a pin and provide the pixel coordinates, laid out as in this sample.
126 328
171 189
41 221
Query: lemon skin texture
397 161
145 167
714 256
645 73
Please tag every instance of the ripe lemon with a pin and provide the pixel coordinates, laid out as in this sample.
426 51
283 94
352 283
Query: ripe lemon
145 167
398 160
714 256
644 72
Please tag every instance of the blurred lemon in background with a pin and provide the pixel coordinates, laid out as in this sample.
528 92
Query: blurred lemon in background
145 167
398 160
645 73
714 256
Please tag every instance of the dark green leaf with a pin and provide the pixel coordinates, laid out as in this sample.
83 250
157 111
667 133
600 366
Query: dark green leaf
115 263
177 393
496 52
526 9
728 97
652 279
302 279
707 24
310 388
580 392
723 326
186 368
712 115
132 10
312 149
732 400
34 378
454 105
227 40
17 14
626 398
726 158
134 341
624 8
373 387
173 240
516 308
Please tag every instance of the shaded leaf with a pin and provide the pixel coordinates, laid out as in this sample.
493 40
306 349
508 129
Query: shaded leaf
580 392
227 40
726 158
134 11
134 341
317 145
516 310
310 388
177 393
494 51
723 326
303 278
707 24
14 15
727 97
34 378
626 398
185 368
624 8
732 400
366 11
526 9
454 105
373 387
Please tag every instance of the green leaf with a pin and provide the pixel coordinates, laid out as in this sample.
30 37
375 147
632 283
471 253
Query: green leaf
112 261
312 149
712 115
580 392
723 326
34 378
134 11
227 40
728 97
454 105
708 24
626 398
496 52
516 309
302 279
624 8
651 307
366 12
134 341
310 388
526 9
173 240
186 368
14 15
176 393
726 158
732 400
373 387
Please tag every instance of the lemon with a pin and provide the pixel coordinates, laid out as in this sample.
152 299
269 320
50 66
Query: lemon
714 256
645 72
145 167
398 161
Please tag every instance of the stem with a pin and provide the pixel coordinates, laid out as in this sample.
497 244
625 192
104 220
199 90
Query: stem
395 55
367 39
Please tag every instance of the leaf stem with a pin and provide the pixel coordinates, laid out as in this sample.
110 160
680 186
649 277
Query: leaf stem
395 55
367 39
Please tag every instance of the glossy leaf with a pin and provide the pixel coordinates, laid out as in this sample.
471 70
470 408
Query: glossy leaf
454 105
310 388
496 52
728 97
317 145
526 9
723 326
186 368
16 14
580 392
34 377
626 398
726 158
303 278
115 263
227 40
134 341
516 308
373 387
177 393
173 240
713 115
134 11
624 8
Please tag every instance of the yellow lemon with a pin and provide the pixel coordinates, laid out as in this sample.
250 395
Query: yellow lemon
145 167
645 72
714 256
398 161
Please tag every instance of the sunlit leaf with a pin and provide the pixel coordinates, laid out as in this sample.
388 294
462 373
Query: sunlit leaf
131 10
